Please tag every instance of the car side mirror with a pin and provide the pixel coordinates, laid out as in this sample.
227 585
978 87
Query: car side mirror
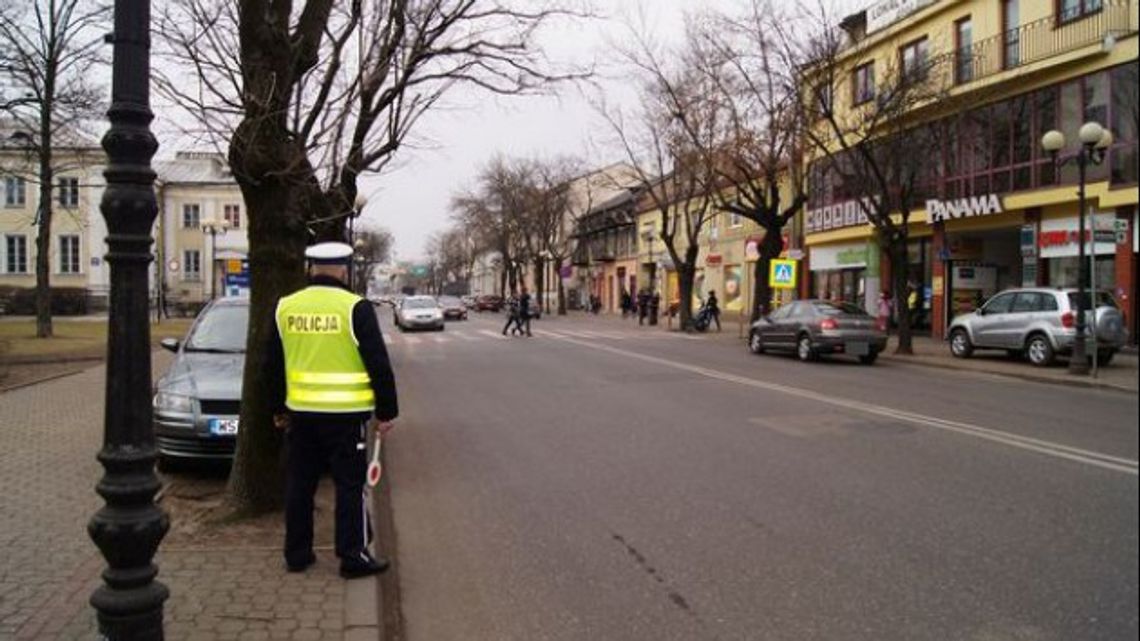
170 344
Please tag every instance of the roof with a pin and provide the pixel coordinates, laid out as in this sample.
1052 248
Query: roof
15 135
195 168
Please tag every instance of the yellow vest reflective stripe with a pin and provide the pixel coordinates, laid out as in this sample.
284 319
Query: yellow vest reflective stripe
323 368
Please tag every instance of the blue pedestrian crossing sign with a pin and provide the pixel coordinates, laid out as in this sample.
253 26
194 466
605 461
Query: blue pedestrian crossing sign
782 273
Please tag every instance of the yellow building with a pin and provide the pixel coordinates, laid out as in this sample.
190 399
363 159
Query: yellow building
75 195
726 260
202 245
997 212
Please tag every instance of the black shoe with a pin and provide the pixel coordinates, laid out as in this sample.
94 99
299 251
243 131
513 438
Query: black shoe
302 566
358 569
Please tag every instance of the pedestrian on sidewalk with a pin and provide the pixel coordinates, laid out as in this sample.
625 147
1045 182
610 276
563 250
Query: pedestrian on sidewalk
885 311
642 306
330 382
626 303
713 308
512 315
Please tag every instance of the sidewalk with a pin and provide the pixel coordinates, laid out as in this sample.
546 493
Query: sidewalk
227 580
1122 375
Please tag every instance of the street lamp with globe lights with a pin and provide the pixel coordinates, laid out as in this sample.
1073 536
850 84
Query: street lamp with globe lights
212 227
1095 141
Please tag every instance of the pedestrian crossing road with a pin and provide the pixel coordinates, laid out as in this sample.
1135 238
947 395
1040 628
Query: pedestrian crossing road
471 333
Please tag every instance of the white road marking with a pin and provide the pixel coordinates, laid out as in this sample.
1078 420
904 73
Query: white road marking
411 340
487 332
1049 448
465 336
440 339
548 333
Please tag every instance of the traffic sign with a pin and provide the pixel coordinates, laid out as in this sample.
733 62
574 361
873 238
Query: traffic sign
1120 227
782 274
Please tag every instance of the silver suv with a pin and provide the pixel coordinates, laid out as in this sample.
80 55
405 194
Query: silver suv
1038 324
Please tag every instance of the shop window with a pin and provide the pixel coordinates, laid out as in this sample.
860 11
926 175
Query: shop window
1000 134
1022 178
1072 113
1021 130
1125 116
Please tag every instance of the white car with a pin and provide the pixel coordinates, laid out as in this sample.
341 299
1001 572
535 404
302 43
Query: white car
419 312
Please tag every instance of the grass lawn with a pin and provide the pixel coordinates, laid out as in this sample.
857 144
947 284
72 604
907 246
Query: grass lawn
72 337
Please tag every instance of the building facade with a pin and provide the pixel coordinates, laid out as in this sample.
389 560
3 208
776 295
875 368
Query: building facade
995 210
74 248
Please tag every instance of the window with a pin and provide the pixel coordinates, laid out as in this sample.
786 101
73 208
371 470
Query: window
863 83
1011 34
1028 302
999 304
69 254
964 50
734 220
824 98
915 59
1124 157
191 216
15 191
69 192
233 216
191 264
1069 10
16 258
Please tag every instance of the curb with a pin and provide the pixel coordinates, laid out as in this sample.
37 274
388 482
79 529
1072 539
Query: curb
48 359
1088 383
45 379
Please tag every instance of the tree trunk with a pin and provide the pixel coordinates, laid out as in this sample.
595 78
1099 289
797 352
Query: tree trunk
896 254
539 282
43 237
686 275
561 290
770 247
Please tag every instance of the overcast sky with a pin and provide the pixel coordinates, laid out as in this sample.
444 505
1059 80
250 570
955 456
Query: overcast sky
413 200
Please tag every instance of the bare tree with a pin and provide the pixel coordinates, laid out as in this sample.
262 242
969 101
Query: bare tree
752 163
663 139
876 152
306 99
48 51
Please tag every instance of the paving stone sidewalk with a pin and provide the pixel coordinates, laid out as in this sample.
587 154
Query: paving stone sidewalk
226 581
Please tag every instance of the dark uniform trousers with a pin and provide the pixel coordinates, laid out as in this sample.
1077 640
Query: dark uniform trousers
316 443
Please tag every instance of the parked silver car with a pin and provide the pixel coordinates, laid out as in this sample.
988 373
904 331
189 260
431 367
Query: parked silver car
197 401
1039 324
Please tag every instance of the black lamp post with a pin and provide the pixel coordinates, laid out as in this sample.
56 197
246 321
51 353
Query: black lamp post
130 526
1095 141
212 227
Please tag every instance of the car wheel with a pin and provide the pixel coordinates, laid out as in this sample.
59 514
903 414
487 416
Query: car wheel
1040 351
1104 357
960 344
756 343
804 350
869 359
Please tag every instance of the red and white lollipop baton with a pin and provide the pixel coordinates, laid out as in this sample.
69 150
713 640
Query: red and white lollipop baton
375 470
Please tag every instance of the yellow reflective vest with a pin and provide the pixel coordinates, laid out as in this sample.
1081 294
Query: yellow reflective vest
323 368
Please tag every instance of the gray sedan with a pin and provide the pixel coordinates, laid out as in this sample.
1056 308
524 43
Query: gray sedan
810 328
197 401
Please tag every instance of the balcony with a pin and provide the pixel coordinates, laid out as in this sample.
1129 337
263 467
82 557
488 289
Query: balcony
1041 40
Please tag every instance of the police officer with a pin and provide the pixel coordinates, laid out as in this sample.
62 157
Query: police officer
329 371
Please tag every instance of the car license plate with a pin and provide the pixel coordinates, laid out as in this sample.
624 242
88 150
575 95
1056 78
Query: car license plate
859 348
223 426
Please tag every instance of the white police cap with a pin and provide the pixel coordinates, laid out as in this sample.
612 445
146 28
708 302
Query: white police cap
329 253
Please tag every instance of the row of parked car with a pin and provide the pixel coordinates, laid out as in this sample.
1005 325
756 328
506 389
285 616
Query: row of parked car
1036 324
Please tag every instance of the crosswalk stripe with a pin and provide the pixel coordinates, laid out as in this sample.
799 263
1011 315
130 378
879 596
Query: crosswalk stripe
487 332
548 333
441 339
411 340
465 336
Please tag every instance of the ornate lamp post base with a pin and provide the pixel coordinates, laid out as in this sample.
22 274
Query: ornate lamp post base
130 526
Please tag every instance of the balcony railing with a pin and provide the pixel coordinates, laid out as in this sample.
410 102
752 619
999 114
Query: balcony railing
1041 40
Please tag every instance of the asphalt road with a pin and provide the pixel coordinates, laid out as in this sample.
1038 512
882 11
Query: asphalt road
596 482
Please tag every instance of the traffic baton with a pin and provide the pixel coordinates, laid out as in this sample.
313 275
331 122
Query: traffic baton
375 470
